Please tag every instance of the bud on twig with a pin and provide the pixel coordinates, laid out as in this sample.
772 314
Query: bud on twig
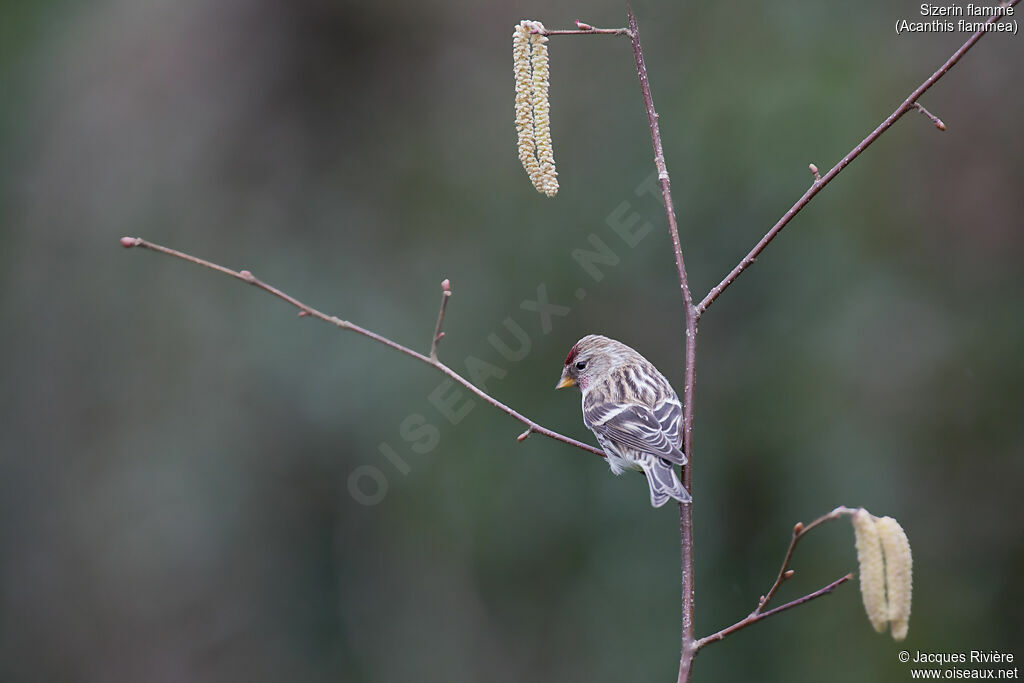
936 121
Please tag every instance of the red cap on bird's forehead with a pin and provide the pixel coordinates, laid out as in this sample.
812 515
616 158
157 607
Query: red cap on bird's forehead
572 354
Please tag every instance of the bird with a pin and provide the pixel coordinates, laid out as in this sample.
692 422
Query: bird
632 410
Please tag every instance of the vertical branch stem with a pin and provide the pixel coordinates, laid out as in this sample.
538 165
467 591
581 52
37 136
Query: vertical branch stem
690 357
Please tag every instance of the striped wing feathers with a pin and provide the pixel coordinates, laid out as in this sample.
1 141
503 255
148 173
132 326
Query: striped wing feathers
636 426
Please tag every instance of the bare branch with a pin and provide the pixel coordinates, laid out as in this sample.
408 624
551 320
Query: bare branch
755 617
246 276
690 646
785 573
584 29
908 104
446 293
936 121
799 531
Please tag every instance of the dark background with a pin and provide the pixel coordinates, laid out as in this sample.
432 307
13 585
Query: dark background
177 448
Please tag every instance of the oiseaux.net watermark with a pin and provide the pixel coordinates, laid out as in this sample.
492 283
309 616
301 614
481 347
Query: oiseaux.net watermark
507 345
961 665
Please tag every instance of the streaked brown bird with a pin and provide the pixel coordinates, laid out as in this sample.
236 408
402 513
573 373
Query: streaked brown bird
632 410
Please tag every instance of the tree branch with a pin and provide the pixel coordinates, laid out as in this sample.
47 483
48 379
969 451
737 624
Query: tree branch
584 29
753 618
785 573
936 121
908 104
585 32
799 531
305 310
446 293
689 646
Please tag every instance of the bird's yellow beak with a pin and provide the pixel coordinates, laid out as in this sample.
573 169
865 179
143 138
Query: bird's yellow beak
566 382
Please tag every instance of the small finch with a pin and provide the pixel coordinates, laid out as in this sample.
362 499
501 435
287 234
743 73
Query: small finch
632 410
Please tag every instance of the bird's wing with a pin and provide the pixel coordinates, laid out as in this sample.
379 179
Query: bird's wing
633 425
669 414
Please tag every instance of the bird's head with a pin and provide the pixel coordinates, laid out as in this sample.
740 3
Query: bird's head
590 359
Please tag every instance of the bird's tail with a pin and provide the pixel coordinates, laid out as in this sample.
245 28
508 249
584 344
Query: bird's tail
664 483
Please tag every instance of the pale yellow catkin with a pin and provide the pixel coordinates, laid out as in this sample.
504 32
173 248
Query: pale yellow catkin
524 98
898 574
533 122
872 569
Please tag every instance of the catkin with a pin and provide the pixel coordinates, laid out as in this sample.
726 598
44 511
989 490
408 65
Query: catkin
872 569
898 574
533 123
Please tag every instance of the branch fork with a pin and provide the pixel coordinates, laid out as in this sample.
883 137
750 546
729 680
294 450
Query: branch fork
689 646
911 102
305 310
785 573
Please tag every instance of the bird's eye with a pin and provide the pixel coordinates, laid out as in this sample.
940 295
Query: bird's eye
582 364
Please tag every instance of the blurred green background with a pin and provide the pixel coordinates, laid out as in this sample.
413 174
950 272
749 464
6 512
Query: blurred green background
178 449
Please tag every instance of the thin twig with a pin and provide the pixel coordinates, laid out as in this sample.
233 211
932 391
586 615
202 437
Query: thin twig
246 276
799 531
936 121
446 293
907 105
756 617
590 32
584 29
785 573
